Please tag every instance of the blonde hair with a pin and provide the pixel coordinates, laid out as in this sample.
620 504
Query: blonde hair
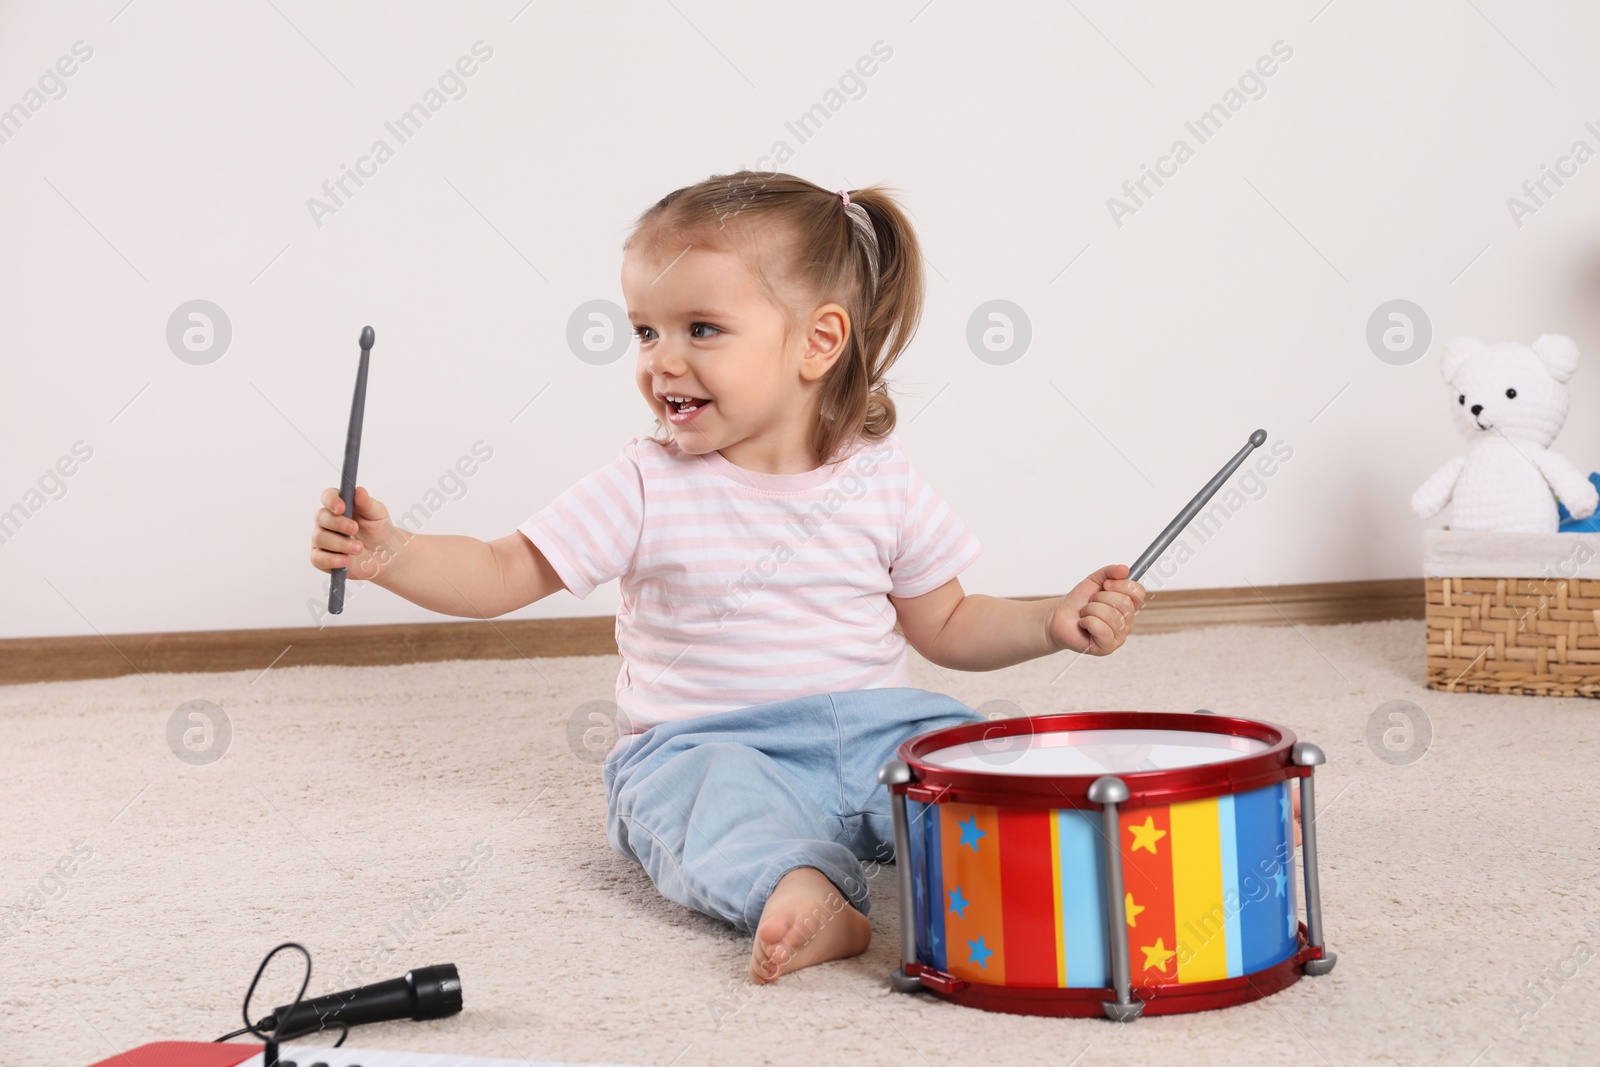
795 235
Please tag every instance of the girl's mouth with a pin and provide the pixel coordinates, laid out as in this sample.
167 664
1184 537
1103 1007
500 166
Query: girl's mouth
683 409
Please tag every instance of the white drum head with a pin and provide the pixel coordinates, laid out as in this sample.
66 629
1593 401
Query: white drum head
1094 752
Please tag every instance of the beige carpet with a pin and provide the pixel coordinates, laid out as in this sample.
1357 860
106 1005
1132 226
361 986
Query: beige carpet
396 817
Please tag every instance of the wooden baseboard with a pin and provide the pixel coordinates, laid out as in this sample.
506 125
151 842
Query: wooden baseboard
1307 604
53 659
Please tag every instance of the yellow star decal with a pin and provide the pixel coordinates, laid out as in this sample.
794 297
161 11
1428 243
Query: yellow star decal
1156 956
1132 909
1146 836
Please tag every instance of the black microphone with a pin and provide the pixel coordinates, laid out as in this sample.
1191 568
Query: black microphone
425 993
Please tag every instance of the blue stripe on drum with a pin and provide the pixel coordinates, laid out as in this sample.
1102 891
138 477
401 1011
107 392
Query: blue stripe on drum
936 898
1228 840
1289 788
1266 878
918 859
1083 898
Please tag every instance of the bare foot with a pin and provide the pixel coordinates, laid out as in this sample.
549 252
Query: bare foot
805 921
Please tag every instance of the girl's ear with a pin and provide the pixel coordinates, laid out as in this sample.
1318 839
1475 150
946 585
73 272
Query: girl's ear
826 337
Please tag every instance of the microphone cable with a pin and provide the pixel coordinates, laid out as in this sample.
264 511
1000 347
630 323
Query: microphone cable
270 1053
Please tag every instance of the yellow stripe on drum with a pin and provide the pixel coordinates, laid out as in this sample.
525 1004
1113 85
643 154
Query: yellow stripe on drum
1055 889
1201 917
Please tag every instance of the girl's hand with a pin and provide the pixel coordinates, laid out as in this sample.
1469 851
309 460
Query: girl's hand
1097 616
364 545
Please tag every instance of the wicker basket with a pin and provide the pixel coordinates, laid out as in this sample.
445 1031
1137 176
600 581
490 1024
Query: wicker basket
1514 635
1532 627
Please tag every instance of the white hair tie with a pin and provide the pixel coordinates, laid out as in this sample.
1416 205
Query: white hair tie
869 237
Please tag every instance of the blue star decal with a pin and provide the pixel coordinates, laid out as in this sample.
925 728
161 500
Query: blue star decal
1281 880
980 954
970 832
959 903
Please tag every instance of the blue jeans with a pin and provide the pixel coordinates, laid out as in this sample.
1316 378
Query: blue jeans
719 807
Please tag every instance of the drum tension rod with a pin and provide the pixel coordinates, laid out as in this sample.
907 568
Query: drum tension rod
1305 754
1108 792
893 773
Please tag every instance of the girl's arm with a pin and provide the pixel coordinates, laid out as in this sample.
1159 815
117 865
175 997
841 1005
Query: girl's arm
458 575
448 573
974 632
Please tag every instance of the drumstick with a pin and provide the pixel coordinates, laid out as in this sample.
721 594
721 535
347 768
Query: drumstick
352 452
1175 527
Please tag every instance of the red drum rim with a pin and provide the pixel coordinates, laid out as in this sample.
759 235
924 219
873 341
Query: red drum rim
935 784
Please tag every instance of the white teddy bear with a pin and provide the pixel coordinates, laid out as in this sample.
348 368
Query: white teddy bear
1508 401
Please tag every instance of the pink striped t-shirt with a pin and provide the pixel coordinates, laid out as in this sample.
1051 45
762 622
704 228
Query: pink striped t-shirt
742 588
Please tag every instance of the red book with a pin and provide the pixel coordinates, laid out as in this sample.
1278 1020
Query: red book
183 1054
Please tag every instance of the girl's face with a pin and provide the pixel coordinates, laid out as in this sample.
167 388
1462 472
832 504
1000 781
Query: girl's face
709 335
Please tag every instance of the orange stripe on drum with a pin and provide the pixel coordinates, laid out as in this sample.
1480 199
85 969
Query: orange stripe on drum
969 838
1147 895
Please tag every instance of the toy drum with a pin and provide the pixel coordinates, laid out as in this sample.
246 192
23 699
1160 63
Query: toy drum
1119 862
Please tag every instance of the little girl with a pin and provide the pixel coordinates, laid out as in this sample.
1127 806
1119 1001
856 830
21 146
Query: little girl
768 539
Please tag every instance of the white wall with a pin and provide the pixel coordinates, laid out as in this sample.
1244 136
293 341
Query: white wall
179 161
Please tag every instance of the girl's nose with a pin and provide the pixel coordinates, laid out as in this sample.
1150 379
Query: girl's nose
664 360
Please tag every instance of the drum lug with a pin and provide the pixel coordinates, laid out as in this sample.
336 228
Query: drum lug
1307 755
897 773
1319 967
1311 959
1109 791
901 982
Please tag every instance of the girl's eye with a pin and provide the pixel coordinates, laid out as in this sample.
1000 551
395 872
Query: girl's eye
1511 394
640 331
697 325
